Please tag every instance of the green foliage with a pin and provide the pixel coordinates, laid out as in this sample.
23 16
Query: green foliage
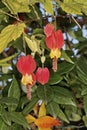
22 25
3 125
14 92
54 109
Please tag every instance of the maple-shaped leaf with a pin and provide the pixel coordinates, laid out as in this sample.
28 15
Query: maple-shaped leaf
9 33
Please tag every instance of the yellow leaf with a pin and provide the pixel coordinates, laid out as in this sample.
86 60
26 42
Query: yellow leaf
35 109
8 58
48 6
33 45
30 118
42 110
9 33
71 7
16 6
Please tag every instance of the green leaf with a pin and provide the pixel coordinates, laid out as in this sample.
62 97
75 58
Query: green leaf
5 117
16 127
14 92
19 119
76 117
66 57
85 120
64 100
84 90
37 31
63 92
82 70
30 105
64 67
8 58
18 44
54 109
9 33
82 77
73 113
85 103
3 126
8 101
17 5
45 93
82 64
62 116
55 78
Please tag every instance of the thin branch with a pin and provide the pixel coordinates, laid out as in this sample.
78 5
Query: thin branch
3 12
76 21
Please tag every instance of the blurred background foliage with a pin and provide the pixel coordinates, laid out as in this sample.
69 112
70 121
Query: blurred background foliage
65 95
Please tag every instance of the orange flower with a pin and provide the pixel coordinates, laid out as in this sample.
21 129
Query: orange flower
43 122
46 122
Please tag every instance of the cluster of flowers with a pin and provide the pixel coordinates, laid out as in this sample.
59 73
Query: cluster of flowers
26 65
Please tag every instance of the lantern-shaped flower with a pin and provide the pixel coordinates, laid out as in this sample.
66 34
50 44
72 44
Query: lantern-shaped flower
26 66
54 41
42 75
43 122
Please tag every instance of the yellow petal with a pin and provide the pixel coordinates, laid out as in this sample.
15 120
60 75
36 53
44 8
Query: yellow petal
55 53
47 122
27 79
42 110
35 109
30 118
44 128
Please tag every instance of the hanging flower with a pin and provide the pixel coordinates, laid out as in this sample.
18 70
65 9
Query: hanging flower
54 41
42 75
43 122
26 65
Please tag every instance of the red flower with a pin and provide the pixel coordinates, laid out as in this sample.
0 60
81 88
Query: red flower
49 28
26 65
42 75
54 41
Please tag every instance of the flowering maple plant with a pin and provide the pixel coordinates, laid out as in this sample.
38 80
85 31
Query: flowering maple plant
34 76
40 63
